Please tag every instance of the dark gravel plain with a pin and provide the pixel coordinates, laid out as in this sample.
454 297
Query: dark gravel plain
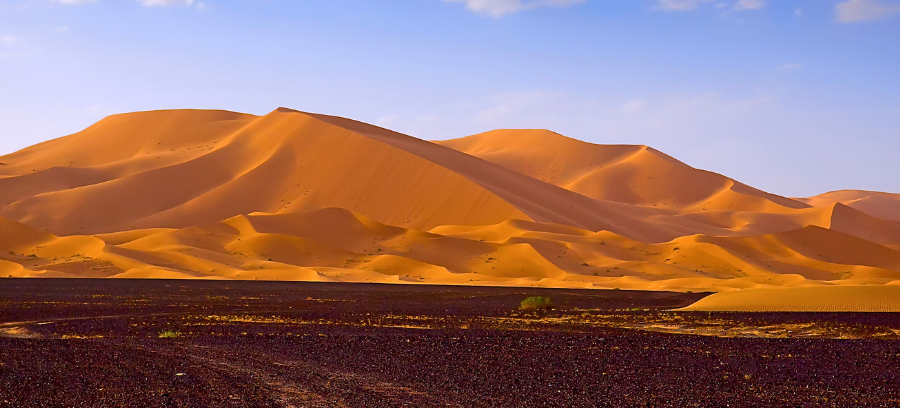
109 343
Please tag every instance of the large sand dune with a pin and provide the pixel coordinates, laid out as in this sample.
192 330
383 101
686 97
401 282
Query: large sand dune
299 196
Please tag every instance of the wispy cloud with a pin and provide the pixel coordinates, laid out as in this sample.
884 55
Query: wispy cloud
678 5
633 106
792 66
75 2
749 5
145 3
12 47
164 3
856 11
639 119
500 8
9 40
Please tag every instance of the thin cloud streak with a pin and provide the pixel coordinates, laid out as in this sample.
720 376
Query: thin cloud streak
500 8
145 3
857 11
678 5
743 5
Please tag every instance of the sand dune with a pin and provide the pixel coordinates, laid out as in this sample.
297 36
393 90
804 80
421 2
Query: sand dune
297 196
819 299
881 205
629 174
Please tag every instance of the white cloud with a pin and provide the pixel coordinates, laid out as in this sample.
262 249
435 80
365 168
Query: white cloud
678 5
145 3
14 47
500 8
75 2
855 11
749 5
632 107
163 3
9 40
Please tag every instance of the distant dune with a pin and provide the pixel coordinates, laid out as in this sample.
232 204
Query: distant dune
884 298
299 196
882 205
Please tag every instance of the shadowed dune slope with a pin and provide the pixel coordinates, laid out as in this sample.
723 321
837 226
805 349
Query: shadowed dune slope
623 173
881 205
297 196
288 161
14 235
282 162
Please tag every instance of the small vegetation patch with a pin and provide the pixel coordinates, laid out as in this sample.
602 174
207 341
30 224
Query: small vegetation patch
169 334
537 303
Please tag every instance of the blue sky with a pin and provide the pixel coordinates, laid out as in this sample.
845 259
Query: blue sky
797 97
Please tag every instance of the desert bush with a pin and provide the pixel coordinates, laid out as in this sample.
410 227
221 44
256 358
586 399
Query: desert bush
169 334
537 303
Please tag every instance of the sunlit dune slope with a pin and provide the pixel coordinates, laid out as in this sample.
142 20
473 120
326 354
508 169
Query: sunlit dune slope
881 205
299 196
819 299
337 245
214 166
204 167
623 173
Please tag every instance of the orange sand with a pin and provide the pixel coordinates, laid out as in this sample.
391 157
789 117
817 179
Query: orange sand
298 196
885 298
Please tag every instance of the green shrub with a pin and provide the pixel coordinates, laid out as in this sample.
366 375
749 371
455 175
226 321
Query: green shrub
537 303
169 334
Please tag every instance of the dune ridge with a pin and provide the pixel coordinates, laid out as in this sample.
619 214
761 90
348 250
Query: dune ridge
290 195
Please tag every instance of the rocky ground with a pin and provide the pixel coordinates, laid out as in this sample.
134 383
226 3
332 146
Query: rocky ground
74 343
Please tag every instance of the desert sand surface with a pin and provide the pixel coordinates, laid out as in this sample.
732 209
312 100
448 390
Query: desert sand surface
884 298
883 205
198 194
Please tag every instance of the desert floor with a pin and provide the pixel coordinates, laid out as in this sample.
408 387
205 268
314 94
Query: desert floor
79 343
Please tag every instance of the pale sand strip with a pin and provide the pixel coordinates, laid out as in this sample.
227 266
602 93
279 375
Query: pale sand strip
808 299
